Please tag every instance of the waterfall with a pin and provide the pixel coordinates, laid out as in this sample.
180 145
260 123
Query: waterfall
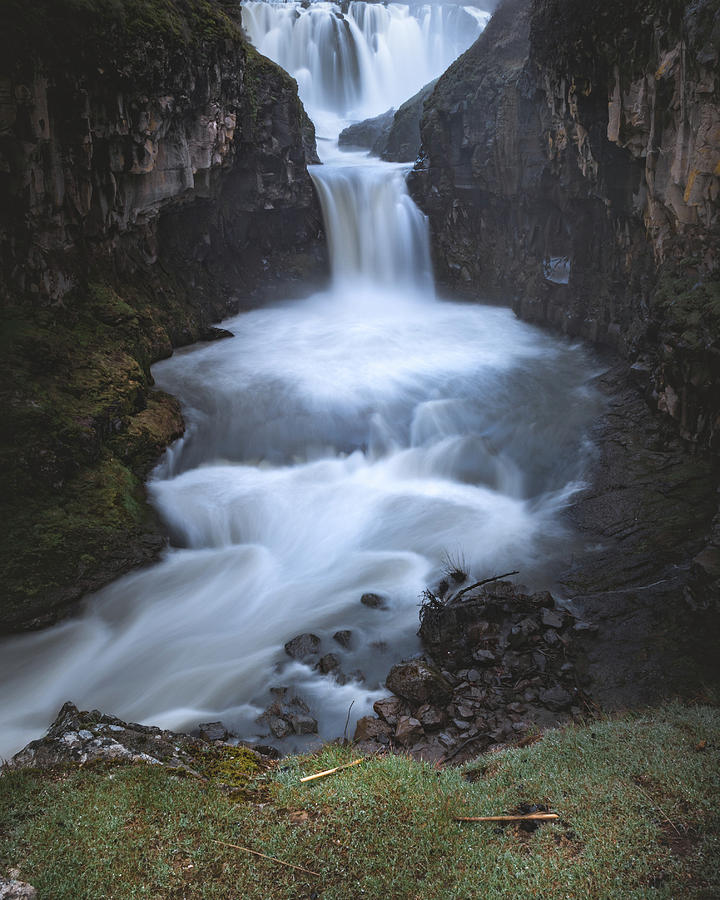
337 445
376 233
363 61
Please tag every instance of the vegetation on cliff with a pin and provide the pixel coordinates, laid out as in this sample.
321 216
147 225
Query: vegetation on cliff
635 796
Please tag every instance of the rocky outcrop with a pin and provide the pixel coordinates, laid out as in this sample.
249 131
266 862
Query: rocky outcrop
394 135
498 662
152 178
402 143
571 165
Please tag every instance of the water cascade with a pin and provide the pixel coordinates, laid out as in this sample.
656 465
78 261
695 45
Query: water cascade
340 445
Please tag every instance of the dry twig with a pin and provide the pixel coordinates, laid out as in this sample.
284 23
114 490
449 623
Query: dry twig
332 771
477 585
265 856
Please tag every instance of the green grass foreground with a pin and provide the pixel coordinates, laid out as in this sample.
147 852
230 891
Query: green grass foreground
638 800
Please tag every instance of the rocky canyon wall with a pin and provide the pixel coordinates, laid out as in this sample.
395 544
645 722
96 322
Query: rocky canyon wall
571 165
152 177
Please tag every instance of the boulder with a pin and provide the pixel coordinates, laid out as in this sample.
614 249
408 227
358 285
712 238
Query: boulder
553 618
303 723
556 698
408 731
374 601
303 646
280 727
213 731
430 717
328 663
343 638
419 683
369 728
390 709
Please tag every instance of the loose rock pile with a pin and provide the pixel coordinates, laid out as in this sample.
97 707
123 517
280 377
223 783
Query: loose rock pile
498 662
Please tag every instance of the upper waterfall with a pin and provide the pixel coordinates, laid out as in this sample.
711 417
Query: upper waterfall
364 60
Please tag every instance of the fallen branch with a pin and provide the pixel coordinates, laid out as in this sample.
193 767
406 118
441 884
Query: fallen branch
531 817
477 585
332 771
265 856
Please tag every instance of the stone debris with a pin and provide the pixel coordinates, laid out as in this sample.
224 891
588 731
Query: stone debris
11 889
286 719
498 662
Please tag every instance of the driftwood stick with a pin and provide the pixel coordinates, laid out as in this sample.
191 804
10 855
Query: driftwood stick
333 771
531 817
265 856
477 585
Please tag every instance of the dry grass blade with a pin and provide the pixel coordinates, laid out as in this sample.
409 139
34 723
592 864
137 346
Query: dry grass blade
530 817
274 859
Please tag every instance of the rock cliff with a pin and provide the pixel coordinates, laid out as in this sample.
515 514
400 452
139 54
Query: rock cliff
571 164
152 176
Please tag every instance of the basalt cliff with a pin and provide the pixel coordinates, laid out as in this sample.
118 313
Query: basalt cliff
152 175
571 162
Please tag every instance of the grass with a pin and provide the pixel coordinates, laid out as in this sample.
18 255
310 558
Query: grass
637 800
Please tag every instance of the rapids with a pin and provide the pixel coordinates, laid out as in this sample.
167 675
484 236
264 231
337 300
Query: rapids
342 444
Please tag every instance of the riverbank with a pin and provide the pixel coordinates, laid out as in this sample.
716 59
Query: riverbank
634 796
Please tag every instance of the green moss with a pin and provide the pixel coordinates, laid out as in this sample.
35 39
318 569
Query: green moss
82 429
233 766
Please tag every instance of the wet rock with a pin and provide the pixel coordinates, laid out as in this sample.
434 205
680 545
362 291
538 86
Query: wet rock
303 646
374 601
213 731
484 657
369 728
408 730
10 889
280 727
418 682
302 723
328 663
390 709
343 638
553 618
556 698
430 717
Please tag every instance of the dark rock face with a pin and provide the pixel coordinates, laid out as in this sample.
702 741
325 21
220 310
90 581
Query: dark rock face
367 133
402 140
570 164
394 135
152 180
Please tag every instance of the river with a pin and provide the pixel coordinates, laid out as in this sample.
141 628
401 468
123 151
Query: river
347 443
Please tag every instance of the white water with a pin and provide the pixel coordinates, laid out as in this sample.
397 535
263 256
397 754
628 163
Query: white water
338 445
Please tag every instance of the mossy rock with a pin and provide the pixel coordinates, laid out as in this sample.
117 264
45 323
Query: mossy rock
232 766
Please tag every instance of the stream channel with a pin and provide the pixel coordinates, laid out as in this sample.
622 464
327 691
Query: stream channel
338 445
